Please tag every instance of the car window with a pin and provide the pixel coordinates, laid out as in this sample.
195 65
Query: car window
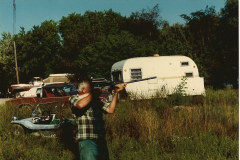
53 92
39 90
99 84
69 88
50 92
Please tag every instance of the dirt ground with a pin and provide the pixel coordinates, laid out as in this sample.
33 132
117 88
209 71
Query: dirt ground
3 100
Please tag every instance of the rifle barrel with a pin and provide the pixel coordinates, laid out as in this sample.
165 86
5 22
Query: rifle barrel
113 86
144 79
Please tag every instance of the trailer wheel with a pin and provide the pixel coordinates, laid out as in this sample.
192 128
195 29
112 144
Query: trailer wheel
18 130
25 111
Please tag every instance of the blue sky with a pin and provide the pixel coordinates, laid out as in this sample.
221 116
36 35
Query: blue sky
34 12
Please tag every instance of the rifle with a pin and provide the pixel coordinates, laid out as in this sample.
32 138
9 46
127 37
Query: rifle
113 85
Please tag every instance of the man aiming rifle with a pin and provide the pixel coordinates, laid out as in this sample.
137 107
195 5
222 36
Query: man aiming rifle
88 109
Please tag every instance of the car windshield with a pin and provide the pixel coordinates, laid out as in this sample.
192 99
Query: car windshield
37 79
99 84
39 91
69 88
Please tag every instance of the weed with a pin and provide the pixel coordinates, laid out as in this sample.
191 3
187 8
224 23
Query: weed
159 128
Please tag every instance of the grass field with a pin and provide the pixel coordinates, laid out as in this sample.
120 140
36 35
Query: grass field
174 128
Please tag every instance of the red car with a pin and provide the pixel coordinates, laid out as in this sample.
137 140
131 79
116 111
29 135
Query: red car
48 93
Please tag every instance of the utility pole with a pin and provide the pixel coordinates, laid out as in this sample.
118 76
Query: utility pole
14 44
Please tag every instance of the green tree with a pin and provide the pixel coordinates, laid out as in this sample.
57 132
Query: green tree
146 23
100 56
201 33
173 40
228 41
38 51
7 70
80 32
91 43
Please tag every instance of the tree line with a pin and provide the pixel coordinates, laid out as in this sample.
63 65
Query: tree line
90 43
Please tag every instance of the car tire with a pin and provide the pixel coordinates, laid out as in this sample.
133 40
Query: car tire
18 130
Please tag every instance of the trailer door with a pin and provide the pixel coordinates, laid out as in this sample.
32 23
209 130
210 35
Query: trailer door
117 76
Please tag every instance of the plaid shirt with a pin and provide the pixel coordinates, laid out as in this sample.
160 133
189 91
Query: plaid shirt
89 119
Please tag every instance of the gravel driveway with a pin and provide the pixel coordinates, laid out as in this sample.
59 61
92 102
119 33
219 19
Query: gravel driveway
3 100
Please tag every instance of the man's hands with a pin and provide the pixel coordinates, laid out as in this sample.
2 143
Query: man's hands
112 105
97 92
120 87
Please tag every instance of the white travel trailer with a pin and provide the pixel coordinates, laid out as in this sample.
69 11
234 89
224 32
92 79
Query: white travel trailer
169 70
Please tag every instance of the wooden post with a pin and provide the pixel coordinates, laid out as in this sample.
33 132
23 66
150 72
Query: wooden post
15 54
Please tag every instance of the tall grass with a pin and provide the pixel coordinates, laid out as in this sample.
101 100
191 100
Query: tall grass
28 147
178 127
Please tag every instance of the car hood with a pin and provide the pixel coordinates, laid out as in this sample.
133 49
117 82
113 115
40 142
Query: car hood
28 124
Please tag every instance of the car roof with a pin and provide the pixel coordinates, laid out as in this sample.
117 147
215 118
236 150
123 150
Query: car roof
99 80
56 85
34 88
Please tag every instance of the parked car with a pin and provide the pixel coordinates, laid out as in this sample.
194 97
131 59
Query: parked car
43 122
30 93
48 93
102 83
16 88
99 82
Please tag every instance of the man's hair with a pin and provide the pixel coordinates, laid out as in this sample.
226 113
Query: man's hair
83 83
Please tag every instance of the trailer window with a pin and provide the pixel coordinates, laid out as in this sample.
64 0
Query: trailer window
136 74
189 74
184 64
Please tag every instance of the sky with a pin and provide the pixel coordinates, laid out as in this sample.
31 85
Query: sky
34 12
